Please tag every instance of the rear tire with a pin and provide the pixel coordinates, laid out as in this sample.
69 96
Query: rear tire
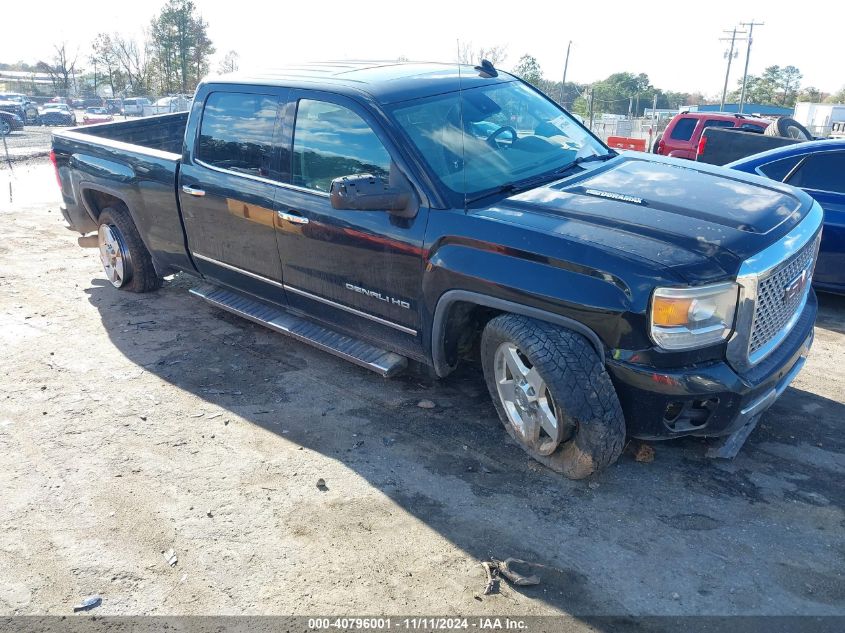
126 261
788 128
656 145
565 412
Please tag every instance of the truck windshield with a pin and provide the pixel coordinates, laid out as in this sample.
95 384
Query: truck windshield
486 138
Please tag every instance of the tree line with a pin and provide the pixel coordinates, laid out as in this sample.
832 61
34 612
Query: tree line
172 57
627 93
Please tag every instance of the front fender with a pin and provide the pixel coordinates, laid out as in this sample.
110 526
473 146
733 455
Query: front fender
593 303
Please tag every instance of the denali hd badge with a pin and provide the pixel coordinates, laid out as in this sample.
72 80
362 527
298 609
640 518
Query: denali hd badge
614 196
375 294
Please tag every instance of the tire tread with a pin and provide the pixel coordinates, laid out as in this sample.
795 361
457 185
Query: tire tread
577 380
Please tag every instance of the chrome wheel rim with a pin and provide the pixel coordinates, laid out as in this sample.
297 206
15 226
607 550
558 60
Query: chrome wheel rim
528 404
113 255
5 127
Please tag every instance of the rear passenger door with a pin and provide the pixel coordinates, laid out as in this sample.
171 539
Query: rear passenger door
227 188
358 270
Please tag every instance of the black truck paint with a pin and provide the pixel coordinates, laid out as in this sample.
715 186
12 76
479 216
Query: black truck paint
720 146
584 251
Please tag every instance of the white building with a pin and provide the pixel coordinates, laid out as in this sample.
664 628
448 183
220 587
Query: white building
819 117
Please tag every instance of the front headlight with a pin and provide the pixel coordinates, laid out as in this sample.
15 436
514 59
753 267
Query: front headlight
688 318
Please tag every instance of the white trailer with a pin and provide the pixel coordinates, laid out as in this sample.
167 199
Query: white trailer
819 117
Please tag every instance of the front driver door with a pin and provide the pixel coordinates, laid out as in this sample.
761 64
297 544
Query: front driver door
358 270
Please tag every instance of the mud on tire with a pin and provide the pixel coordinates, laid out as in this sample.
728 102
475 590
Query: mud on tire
585 402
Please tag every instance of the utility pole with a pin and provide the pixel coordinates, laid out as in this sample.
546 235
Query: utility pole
733 40
653 133
565 68
590 102
750 26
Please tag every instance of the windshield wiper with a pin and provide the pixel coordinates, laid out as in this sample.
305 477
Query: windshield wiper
586 159
528 183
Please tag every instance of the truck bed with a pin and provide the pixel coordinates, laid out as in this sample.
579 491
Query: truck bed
135 162
724 145
165 132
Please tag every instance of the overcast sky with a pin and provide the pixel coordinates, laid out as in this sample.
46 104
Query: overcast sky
675 43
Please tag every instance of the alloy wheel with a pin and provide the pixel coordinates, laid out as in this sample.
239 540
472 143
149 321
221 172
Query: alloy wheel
529 405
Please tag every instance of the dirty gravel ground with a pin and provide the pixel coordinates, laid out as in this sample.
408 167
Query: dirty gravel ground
131 425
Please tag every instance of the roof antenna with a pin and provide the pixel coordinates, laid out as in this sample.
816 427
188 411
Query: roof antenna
486 69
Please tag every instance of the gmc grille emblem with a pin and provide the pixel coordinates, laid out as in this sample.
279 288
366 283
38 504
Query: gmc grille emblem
795 287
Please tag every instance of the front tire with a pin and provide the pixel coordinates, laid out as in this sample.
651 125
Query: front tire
126 261
552 394
5 127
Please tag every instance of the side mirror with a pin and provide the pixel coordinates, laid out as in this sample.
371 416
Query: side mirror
365 192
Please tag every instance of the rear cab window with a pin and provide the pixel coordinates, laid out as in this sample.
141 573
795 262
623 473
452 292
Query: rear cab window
237 132
683 129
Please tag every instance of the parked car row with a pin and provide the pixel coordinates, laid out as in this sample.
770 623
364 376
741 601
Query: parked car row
61 111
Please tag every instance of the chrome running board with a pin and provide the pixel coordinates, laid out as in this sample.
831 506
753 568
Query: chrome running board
354 350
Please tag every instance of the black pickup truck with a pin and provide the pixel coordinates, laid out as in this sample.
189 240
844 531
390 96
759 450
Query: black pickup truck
438 213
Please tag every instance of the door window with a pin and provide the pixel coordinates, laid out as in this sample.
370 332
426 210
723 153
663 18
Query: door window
683 129
779 169
237 133
823 172
331 141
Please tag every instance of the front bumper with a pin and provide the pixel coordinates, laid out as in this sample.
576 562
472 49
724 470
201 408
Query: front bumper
711 399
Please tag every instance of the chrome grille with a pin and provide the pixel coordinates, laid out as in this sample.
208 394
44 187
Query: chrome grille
774 309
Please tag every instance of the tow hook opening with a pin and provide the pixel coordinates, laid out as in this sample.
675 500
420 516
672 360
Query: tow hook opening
681 416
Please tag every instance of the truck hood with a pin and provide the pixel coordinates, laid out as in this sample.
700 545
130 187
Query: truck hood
700 220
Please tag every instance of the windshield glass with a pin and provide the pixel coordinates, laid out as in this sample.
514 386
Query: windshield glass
480 139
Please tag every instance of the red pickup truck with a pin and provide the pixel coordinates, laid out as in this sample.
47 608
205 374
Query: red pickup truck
680 138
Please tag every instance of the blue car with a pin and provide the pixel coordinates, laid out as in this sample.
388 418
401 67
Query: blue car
817 167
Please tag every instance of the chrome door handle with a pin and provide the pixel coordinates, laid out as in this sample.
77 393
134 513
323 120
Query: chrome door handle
292 217
192 192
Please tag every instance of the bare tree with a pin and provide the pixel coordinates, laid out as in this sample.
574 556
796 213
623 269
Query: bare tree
132 59
468 55
229 63
62 70
105 59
